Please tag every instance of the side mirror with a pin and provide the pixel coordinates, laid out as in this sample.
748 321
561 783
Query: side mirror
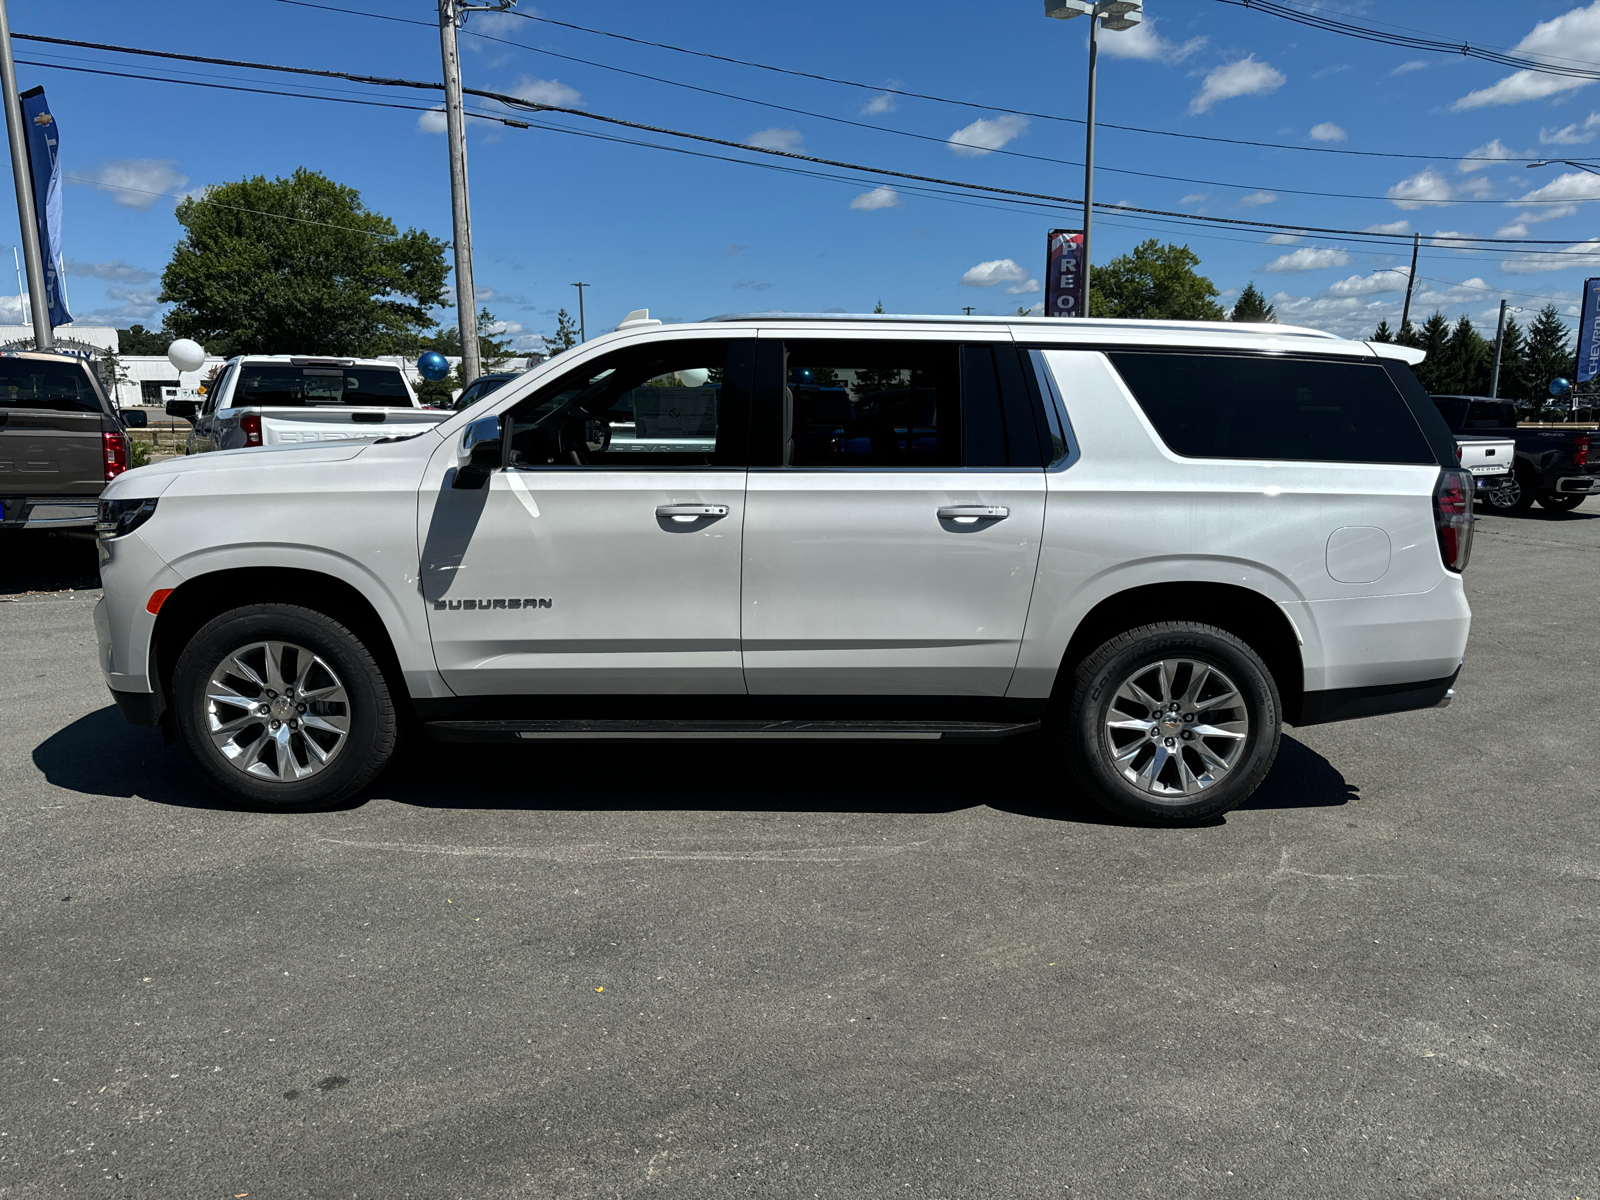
187 409
135 418
480 454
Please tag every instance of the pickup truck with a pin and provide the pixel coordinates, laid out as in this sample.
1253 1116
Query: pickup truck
1552 466
1489 459
279 400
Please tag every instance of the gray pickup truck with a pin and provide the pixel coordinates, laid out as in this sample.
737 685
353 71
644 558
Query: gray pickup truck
61 442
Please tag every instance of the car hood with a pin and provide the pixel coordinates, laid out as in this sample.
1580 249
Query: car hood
145 482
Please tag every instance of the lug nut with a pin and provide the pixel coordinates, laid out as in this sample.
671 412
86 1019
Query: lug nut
271 695
1187 736
1189 717
1155 732
294 724
1170 742
262 710
300 708
275 724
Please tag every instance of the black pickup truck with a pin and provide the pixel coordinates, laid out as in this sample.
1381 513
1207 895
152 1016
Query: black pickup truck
1556 467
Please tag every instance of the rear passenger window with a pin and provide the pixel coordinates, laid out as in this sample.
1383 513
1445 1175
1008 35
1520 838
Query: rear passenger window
1254 406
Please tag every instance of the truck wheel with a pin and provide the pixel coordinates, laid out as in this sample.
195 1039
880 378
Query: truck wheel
282 706
1509 497
1170 723
1561 501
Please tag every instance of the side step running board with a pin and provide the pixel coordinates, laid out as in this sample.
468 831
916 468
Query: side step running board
650 731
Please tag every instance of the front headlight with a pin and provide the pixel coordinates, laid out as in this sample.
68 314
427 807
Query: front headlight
119 517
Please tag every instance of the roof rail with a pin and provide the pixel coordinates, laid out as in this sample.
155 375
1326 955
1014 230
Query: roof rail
1104 323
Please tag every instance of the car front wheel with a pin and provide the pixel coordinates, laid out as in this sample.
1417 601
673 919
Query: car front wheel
283 706
1170 723
1561 501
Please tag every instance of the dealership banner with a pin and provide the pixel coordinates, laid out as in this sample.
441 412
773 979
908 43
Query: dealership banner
44 140
1589 332
1063 289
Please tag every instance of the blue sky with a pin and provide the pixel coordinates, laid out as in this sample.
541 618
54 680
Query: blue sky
690 237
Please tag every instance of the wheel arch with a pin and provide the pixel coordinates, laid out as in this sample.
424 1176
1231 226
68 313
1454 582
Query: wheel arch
1247 614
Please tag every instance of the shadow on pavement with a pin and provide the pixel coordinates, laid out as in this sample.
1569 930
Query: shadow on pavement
102 755
44 562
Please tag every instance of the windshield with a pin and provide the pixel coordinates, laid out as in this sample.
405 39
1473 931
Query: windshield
39 383
279 385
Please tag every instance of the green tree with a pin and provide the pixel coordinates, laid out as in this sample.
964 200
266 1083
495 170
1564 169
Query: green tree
1513 361
878 307
1432 338
1549 356
1467 361
1154 281
1252 306
299 265
564 338
138 340
1383 333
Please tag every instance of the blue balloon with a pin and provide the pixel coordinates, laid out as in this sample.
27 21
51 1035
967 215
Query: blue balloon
1559 387
433 366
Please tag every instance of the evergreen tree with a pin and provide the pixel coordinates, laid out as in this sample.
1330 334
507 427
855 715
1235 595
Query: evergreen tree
1383 333
1549 357
564 338
878 307
1409 335
1432 339
1466 361
1513 362
1252 306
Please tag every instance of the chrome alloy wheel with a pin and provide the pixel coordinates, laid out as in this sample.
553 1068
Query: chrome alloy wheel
1507 494
1176 727
277 711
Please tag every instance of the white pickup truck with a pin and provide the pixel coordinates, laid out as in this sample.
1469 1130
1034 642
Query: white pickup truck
1490 459
281 400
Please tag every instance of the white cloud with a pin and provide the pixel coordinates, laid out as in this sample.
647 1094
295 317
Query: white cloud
878 197
776 139
1573 35
1247 77
1257 199
134 305
1000 270
1423 188
545 91
879 104
989 133
433 121
116 271
1405 68
1328 132
1574 185
1389 227
1142 41
135 182
1283 239
1391 280
1517 229
1479 187
1571 135
1550 212
1335 69
1308 259
751 285
1192 197
1036 309
1584 254
1486 155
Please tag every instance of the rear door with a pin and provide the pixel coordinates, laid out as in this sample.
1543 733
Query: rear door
51 422
892 537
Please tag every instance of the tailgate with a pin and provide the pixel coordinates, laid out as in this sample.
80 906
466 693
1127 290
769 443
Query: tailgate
1487 456
51 453
341 423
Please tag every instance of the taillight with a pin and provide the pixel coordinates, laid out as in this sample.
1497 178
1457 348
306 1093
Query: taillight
250 424
1452 514
1458 453
1580 450
116 445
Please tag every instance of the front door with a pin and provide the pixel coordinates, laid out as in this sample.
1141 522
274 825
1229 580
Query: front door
892 548
603 558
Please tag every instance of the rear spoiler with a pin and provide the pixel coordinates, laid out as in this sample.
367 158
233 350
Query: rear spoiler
1405 354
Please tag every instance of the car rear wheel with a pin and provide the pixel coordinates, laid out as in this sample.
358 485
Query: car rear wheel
282 706
1561 501
1170 723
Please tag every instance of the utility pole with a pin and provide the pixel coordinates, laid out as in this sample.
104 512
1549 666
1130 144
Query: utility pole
967 308
1499 344
1411 279
460 214
43 335
1088 153
583 335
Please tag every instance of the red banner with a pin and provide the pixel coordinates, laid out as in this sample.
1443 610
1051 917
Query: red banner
1063 289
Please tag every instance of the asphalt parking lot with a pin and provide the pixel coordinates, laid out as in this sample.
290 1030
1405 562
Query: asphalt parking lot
815 971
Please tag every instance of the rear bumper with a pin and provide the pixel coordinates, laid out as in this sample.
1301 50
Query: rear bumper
140 708
1581 485
1348 704
49 512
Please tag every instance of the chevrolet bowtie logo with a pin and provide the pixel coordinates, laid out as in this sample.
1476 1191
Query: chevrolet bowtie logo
480 605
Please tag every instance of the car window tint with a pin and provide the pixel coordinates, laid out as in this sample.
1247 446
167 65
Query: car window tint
280 385
663 404
39 383
1490 414
859 403
1271 407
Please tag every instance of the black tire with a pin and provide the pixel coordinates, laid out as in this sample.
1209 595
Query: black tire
1078 722
369 710
1561 501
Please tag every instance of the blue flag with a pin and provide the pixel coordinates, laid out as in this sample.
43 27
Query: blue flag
1588 333
44 142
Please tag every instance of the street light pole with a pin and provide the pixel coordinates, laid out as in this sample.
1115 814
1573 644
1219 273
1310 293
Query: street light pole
1499 344
43 334
1114 15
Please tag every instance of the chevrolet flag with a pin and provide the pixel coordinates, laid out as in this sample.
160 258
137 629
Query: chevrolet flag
44 143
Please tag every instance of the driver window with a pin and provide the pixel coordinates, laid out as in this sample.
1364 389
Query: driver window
669 403
220 385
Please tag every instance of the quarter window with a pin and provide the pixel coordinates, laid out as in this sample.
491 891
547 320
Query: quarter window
1268 407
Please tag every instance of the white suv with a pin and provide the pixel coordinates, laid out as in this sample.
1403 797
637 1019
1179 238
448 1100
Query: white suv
1159 540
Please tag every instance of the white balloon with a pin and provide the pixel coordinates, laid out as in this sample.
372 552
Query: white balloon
186 355
694 377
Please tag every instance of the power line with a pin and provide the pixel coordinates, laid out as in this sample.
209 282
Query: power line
969 104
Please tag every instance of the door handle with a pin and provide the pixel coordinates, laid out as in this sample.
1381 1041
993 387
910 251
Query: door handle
691 512
974 512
